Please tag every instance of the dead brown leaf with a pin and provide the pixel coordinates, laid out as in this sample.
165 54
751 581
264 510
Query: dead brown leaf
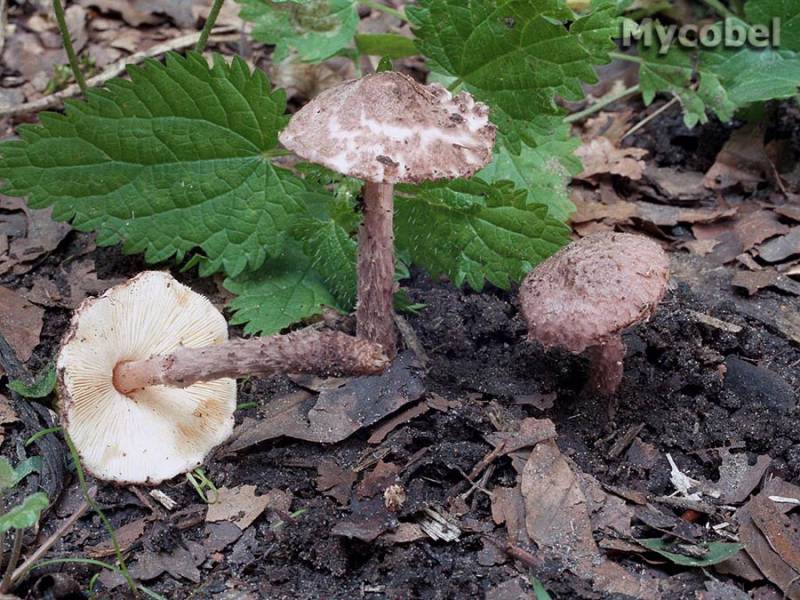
557 519
335 481
392 423
781 248
531 432
383 475
742 161
601 157
738 478
241 506
7 415
39 235
20 322
81 281
672 185
336 414
127 536
508 507
753 281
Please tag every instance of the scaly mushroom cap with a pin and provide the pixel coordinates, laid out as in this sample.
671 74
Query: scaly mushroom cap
592 289
158 432
387 128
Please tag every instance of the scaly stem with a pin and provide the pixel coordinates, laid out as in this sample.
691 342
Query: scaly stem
399 14
12 561
601 104
317 352
209 25
375 309
71 56
605 366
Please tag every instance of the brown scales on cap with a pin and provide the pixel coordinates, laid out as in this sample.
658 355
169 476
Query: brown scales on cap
585 295
386 128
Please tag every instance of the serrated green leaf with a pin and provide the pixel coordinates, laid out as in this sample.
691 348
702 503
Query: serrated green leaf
317 29
390 45
720 81
174 160
42 387
515 55
333 257
543 170
474 231
788 11
284 291
26 514
716 552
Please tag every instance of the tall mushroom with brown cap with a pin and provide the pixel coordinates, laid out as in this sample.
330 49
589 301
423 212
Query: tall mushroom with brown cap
584 297
145 376
385 129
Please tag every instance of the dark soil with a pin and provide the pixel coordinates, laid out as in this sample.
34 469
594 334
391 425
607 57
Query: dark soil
478 357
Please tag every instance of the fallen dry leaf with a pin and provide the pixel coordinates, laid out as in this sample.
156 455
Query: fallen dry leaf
20 323
39 236
738 478
335 481
601 157
392 423
531 431
127 536
742 161
557 519
241 506
672 185
336 414
753 281
383 475
781 248
81 280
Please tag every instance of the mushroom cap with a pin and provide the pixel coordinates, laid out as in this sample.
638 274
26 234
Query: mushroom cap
158 432
593 289
387 128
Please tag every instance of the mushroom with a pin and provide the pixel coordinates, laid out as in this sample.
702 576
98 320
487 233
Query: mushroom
584 297
145 376
385 129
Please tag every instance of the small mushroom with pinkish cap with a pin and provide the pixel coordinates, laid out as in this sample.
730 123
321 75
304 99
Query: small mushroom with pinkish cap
385 129
146 376
584 297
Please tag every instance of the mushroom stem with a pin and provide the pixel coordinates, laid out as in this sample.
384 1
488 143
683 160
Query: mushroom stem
375 309
317 352
605 366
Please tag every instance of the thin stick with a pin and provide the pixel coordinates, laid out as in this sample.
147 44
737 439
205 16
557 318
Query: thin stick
627 57
20 572
73 58
3 23
649 118
316 352
601 104
113 71
209 25
384 9
12 560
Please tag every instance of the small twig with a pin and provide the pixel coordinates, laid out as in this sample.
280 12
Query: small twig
209 25
21 571
601 104
16 550
111 72
515 552
3 23
70 50
649 118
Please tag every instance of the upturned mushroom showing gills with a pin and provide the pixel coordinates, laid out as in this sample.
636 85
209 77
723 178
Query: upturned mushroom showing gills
584 297
385 129
146 376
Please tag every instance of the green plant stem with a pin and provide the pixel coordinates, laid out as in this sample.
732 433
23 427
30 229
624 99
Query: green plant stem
720 8
384 9
628 57
601 104
70 50
123 568
454 84
16 550
210 21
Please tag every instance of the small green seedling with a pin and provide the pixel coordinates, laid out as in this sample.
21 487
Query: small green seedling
203 485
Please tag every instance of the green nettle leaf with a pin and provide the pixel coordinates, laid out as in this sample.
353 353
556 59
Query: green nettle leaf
333 256
543 170
26 514
721 80
515 55
788 11
175 160
716 552
390 45
284 291
474 231
41 388
317 29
